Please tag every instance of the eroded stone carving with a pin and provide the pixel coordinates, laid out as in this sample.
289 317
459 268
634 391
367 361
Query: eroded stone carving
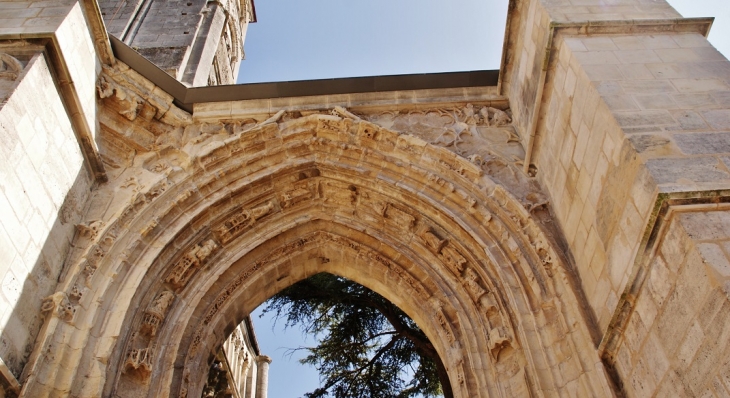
190 262
298 194
243 219
472 283
155 313
498 340
399 217
91 229
58 305
452 257
432 241
339 194
139 361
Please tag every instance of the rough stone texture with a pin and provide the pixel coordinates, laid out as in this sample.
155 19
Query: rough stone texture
564 234
677 342
43 192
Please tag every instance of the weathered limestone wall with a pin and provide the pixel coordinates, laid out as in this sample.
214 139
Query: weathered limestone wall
635 113
629 116
677 342
43 189
521 76
47 113
599 189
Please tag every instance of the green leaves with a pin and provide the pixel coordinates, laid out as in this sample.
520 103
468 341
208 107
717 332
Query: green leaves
367 346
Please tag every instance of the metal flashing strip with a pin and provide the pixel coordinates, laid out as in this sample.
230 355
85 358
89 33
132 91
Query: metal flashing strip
185 96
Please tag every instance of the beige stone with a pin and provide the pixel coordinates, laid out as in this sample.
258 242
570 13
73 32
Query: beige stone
561 234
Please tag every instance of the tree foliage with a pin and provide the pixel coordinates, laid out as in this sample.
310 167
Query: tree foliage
367 346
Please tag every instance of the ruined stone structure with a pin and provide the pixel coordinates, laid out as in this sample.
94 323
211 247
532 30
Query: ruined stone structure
561 231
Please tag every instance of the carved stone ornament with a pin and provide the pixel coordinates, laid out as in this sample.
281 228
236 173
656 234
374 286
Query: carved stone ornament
498 340
432 241
139 360
242 219
58 305
190 262
296 195
90 230
399 217
453 259
155 313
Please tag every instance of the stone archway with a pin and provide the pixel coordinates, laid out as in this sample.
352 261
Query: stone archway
211 231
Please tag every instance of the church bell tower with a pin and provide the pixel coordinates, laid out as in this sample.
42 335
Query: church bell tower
199 42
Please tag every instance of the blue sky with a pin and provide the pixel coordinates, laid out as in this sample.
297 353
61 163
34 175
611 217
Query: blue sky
318 39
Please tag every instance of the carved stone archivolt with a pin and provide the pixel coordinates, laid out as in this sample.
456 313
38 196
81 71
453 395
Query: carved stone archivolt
190 262
58 305
155 312
139 362
189 213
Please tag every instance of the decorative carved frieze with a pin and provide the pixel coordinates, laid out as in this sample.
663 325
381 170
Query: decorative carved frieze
190 262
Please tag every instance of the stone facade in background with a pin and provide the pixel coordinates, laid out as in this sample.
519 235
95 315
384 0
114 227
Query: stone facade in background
239 361
198 42
564 233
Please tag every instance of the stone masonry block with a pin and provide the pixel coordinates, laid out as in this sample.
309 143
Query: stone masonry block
672 170
711 225
687 120
715 258
718 119
703 143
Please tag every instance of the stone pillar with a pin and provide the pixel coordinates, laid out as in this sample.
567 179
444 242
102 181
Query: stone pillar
262 379
245 366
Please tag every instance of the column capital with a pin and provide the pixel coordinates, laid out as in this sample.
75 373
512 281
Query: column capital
263 358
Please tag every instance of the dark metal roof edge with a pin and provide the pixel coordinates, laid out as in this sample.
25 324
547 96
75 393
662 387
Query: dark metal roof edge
185 96
253 8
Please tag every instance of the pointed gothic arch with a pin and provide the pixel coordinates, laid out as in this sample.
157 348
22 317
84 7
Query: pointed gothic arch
211 234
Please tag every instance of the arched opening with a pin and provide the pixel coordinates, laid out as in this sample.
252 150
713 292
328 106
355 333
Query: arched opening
361 344
196 251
